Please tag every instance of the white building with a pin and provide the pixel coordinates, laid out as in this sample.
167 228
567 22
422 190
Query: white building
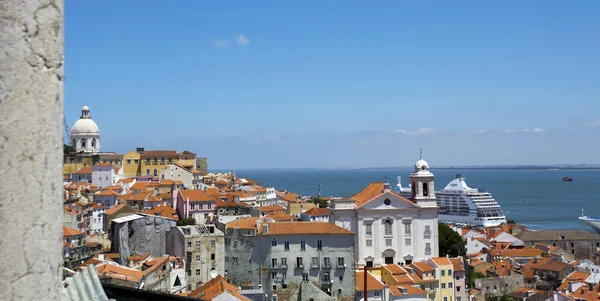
97 220
85 135
390 228
177 172
103 175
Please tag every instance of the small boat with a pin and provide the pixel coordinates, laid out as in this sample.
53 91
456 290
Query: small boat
567 179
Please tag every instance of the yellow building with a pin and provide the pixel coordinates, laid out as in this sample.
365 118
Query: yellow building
131 164
114 159
187 159
443 269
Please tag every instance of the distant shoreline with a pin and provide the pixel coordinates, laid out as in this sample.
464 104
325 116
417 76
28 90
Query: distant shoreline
491 167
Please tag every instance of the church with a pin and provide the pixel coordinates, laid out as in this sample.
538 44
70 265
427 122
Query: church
85 134
389 227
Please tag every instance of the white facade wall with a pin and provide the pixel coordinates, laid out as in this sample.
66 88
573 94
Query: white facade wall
102 176
97 221
176 173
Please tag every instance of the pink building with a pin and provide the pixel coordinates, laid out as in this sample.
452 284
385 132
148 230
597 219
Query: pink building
196 204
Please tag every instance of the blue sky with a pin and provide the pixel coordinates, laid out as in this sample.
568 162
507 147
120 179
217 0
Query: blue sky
261 84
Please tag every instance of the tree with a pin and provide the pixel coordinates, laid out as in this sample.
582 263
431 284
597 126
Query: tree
320 202
476 275
186 221
450 242
68 149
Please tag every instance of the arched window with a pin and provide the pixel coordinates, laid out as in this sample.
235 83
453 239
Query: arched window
425 189
74 143
388 227
155 172
83 143
93 142
147 172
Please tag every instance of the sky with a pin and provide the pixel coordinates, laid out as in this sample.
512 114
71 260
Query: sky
278 84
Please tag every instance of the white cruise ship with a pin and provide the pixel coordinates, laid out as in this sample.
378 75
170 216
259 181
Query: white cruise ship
458 203
592 221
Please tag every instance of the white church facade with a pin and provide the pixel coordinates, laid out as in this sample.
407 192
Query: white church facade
390 228
85 134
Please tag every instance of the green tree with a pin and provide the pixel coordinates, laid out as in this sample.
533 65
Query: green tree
476 275
186 221
320 202
451 243
68 149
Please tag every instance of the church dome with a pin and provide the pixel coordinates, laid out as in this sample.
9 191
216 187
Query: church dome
421 165
85 127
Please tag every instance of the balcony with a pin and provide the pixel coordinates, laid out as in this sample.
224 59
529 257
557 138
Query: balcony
427 235
327 266
427 251
341 266
299 266
314 266
283 266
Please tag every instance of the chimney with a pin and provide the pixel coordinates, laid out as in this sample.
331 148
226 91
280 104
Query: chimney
140 150
100 256
265 228
386 187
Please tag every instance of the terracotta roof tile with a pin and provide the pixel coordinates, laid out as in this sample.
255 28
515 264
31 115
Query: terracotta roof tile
394 269
128 180
315 211
111 270
158 153
305 228
441 261
271 208
423 266
83 171
457 264
114 209
68 232
107 192
577 276
280 216
555 266
245 223
139 186
400 290
372 191
164 211
166 182
372 282
195 195
214 288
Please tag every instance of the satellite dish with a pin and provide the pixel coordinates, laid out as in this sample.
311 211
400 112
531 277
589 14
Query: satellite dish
213 274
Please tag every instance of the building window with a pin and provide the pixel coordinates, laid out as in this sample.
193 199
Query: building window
298 262
193 206
197 272
93 142
226 259
155 172
197 258
147 172
326 262
445 298
376 294
326 277
303 245
369 229
170 160
427 248
431 286
74 143
136 161
449 272
162 160
234 259
227 241
189 244
284 262
250 273
458 298
443 273
369 242
274 243
319 245
407 241
209 205
155 160
426 192
388 242
147 160
189 273
273 275
449 284
315 262
83 142
407 229
458 290
388 227
443 285
128 161
427 229
340 261
213 243
286 245
212 256
305 277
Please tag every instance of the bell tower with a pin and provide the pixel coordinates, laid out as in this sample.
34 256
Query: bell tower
421 187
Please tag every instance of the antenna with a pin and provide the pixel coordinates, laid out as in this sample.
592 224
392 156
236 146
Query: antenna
421 154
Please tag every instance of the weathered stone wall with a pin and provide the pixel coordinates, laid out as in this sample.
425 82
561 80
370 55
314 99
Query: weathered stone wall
31 138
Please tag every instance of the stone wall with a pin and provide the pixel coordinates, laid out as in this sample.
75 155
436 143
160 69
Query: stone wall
31 147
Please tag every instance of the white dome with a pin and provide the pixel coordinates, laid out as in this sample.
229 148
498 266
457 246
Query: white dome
85 108
421 165
85 127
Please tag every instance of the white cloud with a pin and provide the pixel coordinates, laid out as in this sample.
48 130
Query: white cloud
481 132
220 43
241 39
591 122
533 130
420 131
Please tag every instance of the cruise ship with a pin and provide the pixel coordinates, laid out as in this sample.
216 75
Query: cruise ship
459 203
592 221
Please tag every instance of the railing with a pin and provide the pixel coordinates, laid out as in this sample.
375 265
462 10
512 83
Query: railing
299 266
314 265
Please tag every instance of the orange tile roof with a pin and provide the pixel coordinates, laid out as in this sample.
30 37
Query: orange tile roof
114 209
315 211
372 191
423 266
280 216
68 232
394 269
178 182
83 171
156 153
244 223
305 228
372 282
577 276
139 186
70 210
214 288
114 187
584 293
153 184
138 257
406 290
167 182
525 252
142 196
128 180
221 182
271 208
107 192
115 271
164 211
441 261
195 195
457 264
555 266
